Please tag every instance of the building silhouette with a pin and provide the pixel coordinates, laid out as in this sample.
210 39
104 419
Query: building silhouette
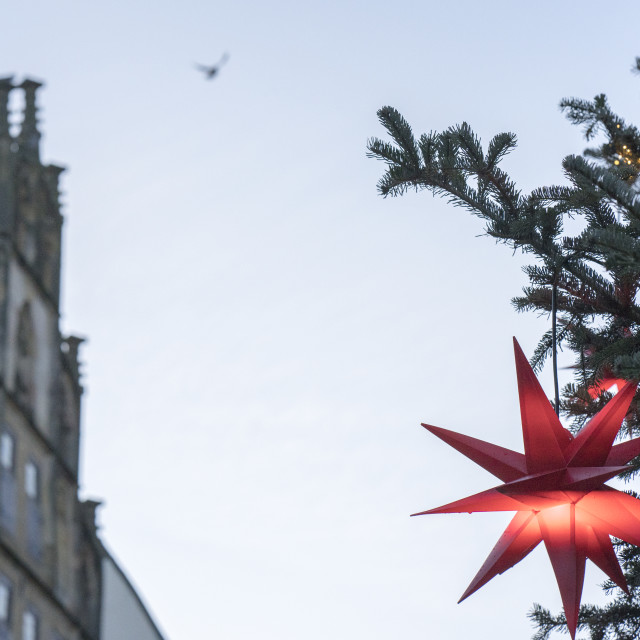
57 580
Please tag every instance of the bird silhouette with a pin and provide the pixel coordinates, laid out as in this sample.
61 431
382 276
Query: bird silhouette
211 71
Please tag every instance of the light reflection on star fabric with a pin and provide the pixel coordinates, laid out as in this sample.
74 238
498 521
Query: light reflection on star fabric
557 490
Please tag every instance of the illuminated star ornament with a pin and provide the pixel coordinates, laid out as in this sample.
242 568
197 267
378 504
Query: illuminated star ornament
557 489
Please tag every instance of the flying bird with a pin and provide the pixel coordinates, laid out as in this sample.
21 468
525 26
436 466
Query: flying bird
212 71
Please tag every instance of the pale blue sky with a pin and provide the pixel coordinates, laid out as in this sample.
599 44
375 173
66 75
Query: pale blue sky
265 332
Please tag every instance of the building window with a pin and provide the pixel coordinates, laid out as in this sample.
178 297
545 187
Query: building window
31 481
7 449
34 509
5 602
29 625
8 504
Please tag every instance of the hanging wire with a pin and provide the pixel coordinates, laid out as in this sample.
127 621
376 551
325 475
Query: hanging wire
554 345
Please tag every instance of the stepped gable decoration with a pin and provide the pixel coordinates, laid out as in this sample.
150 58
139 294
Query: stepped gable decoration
557 490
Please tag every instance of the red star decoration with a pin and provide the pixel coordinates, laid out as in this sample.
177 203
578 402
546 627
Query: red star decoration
557 489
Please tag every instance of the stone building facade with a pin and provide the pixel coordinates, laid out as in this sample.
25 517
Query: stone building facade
51 561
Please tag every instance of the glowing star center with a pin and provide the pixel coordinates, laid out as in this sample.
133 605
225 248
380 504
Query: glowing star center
557 490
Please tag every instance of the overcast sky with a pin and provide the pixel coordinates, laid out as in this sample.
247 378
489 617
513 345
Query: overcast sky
265 332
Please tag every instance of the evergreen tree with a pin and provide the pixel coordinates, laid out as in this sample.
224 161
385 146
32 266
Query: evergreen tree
587 282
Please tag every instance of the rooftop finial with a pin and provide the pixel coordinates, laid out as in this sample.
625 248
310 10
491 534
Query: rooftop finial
6 84
29 134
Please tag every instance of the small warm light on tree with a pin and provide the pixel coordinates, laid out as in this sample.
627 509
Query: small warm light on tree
557 489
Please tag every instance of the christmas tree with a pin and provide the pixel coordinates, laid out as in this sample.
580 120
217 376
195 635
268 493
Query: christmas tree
587 282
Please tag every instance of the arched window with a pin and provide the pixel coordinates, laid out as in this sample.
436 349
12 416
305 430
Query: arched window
25 356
